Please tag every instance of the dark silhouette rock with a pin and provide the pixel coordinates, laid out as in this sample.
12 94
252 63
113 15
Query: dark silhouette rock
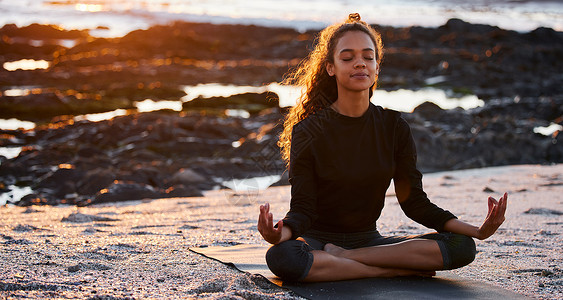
122 191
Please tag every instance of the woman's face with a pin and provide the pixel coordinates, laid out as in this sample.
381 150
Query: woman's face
355 66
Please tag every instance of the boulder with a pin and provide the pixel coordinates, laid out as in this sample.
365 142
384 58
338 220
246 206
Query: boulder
124 191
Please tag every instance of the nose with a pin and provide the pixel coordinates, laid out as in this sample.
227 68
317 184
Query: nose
360 63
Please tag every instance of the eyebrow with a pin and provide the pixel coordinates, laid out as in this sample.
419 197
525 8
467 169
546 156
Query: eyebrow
352 50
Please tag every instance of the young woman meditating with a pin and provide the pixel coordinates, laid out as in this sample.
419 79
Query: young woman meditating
342 153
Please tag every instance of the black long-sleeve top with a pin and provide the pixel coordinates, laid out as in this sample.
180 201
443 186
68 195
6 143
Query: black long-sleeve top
341 167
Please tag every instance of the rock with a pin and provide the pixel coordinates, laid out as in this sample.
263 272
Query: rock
488 190
62 181
146 150
187 176
123 191
84 218
73 269
95 180
45 105
182 191
41 32
251 102
543 211
24 228
33 199
428 110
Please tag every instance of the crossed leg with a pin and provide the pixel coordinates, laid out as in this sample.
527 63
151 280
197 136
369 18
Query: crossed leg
416 257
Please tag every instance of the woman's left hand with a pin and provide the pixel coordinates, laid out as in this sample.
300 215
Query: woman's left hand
495 217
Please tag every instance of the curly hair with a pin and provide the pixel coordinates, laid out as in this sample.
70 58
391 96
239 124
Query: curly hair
320 89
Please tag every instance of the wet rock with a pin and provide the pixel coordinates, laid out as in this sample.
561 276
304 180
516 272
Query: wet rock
62 181
187 176
40 32
148 150
251 102
123 191
182 191
95 180
428 110
33 199
45 105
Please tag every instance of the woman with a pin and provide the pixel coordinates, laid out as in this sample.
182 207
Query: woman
342 152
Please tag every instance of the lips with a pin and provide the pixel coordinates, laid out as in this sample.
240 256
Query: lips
359 75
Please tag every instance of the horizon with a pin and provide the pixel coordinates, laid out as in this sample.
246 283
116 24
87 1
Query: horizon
113 18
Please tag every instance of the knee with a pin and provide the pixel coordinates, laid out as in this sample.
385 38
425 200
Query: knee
290 260
462 250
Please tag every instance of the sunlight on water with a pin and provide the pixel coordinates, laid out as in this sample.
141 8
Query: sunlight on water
251 184
401 100
101 116
13 124
241 113
218 90
150 105
407 100
287 94
549 130
123 16
15 194
26 64
10 152
16 92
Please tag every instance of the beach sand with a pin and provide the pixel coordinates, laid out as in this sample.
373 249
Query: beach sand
140 249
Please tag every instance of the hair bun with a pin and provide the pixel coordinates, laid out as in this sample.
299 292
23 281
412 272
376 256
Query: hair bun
355 17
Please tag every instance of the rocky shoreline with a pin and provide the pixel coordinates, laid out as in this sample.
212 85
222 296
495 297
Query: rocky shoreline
180 154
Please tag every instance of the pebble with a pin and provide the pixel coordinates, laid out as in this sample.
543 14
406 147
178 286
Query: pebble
75 268
488 190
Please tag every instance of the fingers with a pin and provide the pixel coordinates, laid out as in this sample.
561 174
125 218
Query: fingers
263 217
266 220
491 204
279 226
270 220
503 203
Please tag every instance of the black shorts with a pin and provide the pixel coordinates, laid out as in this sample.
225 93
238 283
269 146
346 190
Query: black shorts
292 260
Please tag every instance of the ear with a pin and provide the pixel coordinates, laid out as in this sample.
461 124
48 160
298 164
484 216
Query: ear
376 69
330 69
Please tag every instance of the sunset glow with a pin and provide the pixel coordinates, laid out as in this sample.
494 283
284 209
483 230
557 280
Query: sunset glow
89 7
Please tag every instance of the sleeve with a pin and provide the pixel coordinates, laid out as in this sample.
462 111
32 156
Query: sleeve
408 183
303 205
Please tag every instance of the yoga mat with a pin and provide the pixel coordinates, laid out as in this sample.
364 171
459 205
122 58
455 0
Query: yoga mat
250 258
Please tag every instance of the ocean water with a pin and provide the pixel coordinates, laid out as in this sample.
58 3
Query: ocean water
118 17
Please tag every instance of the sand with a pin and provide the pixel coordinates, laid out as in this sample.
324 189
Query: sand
140 249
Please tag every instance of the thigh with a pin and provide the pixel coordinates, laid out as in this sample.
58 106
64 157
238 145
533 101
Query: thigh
387 240
457 250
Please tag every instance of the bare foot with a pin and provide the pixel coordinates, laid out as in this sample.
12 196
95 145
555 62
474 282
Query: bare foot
334 250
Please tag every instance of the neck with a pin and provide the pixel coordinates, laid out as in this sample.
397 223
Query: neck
352 104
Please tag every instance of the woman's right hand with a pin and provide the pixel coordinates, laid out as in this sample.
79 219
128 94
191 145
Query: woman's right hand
271 234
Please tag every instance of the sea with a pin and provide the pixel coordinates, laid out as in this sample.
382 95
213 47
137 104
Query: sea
114 18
